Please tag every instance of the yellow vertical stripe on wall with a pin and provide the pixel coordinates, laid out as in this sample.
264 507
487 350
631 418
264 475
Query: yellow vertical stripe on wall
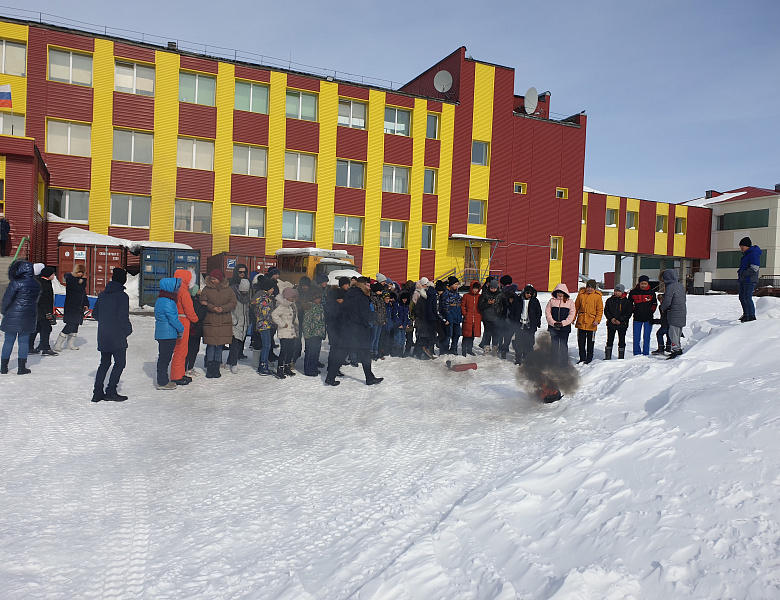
556 269
376 150
482 128
662 238
166 131
632 235
584 230
223 158
102 135
679 240
414 231
15 33
326 164
277 135
611 233
448 254
2 169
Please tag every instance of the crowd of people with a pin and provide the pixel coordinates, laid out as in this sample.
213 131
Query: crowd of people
363 320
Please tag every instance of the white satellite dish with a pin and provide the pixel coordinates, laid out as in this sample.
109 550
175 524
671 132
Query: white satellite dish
531 101
442 81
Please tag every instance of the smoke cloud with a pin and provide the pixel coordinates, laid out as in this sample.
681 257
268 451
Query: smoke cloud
538 369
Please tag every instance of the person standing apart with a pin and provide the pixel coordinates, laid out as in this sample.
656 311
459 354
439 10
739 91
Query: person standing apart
5 235
20 314
76 304
220 300
112 313
167 329
643 305
674 305
45 314
748 277
187 315
590 308
560 313
617 311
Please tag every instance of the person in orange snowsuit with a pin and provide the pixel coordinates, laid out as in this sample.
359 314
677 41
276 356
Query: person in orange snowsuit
186 316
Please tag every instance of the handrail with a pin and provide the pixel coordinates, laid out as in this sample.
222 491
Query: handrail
21 244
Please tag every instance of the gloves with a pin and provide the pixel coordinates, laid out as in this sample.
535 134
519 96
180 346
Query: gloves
558 325
179 335
51 319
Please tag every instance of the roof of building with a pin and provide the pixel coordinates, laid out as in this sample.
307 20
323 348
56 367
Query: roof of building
744 193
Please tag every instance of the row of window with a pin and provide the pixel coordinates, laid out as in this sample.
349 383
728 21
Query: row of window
135 211
632 220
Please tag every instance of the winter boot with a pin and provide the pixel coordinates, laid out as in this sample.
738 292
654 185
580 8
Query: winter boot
98 395
660 350
113 396
72 341
217 369
668 348
621 351
168 386
264 370
58 345
4 366
332 382
280 372
589 355
608 353
674 354
288 370
23 370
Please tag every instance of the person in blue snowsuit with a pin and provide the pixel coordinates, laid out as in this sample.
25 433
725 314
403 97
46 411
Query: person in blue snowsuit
748 277
449 308
167 329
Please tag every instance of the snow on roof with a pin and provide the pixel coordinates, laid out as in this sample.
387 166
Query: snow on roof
590 190
335 261
472 238
312 252
704 201
153 244
333 276
76 235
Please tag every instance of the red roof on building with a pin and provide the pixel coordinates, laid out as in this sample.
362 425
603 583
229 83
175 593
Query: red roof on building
749 193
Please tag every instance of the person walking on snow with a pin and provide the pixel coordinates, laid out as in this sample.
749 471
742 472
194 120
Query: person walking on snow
167 329
590 308
186 316
112 313
674 304
46 317
643 305
20 313
76 304
617 311
560 313
748 277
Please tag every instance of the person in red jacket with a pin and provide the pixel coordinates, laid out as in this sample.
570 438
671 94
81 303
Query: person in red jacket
186 316
472 319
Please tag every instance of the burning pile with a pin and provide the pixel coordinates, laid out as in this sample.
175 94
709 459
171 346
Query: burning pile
549 392
542 378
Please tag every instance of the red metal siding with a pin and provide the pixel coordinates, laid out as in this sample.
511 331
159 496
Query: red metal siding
194 184
248 189
427 265
303 83
253 74
247 245
597 219
133 111
131 178
349 201
191 63
296 244
70 40
399 150
434 106
129 233
461 155
423 84
197 120
299 195
73 172
36 85
393 263
647 213
432 153
396 206
69 102
133 52
398 100
430 208
697 242
198 241
352 143
303 136
356 251
351 91
20 173
250 128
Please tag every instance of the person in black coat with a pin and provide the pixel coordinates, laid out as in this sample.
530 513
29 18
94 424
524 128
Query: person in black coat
525 315
112 313
334 324
20 313
5 235
196 333
46 317
76 303
493 309
617 311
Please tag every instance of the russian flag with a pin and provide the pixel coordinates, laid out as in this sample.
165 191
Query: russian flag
5 96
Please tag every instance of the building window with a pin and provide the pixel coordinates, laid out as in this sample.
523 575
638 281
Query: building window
748 219
300 167
301 105
612 217
192 216
130 211
427 237
432 127
395 179
250 160
247 220
479 153
12 124
477 212
298 226
14 58
133 146
251 97
556 248
661 223
632 220
561 193
392 234
680 225
521 188
584 214
63 137
196 88
70 67
133 78
347 230
730 259
349 173
397 121
70 205
195 154
352 114
429 185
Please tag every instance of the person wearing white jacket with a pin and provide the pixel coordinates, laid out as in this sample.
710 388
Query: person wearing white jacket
285 316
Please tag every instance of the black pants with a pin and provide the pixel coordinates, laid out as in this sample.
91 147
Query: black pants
166 348
467 345
70 328
559 346
585 343
525 338
193 348
313 345
409 342
2 247
236 347
287 350
340 354
120 360
42 327
506 330
621 332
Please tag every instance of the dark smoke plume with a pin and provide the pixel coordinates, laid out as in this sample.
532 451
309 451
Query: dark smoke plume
538 370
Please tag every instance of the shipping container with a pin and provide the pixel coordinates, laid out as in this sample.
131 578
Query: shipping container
159 263
227 261
99 262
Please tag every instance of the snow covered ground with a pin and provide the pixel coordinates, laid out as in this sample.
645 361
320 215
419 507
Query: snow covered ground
657 479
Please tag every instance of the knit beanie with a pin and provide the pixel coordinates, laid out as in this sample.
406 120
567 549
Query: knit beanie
452 280
344 281
620 288
746 241
119 275
273 271
644 278
290 294
377 287
266 284
321 278
339 294
424 281
243 285
380 278
493 285
217 274
505 279
37 268
47 272
304 281
440 285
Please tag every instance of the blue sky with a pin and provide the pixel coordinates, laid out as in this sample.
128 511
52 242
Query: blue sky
681 96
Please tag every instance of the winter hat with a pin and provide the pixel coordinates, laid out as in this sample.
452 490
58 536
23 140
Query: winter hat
506 279
37 267
377 287
746 241
290 294
380 278
644 278
452 280
493 285
620 288
266 284
424 281
47 271
78 268
362 279
273 271
304 281
321 278
217 274
344 281
529 288
243 285
119 275
591 283
512 287
339 294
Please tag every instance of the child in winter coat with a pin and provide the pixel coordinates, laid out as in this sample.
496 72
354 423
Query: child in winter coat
449 308
560 314
262 307
313 334
285 316
617 311
167 329
386 335
590 308
643 305
400 322
663 331
472 318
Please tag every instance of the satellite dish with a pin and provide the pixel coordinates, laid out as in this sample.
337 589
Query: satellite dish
531 100
442 81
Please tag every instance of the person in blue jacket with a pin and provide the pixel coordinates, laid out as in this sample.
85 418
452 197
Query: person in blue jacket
167 329
112 313
449 309
20 313
748 277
